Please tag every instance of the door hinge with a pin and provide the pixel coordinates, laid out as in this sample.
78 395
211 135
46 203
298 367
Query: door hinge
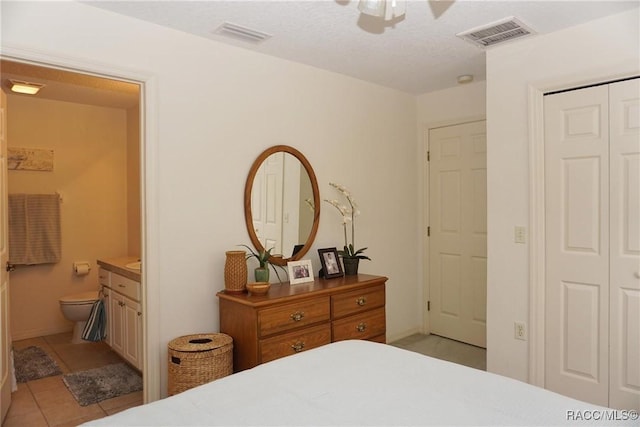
428 230
428 305
428 156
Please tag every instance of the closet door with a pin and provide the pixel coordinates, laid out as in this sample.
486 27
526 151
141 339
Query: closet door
577 244
625 244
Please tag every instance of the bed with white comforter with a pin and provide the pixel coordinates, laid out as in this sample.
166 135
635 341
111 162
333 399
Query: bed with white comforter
360 383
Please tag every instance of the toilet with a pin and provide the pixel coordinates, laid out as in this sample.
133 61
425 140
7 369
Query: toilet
77 308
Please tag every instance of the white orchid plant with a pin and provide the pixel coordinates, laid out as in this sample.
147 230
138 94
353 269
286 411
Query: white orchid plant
348 214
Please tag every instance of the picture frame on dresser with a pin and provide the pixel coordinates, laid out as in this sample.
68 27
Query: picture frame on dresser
331 267
300 271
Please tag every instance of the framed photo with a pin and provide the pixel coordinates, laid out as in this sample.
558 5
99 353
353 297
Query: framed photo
300 271
330 263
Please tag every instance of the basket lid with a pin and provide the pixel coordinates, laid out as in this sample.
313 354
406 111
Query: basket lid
200 342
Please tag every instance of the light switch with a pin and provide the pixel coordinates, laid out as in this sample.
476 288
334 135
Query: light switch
520 234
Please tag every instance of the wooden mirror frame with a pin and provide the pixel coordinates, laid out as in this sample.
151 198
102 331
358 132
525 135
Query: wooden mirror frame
248 216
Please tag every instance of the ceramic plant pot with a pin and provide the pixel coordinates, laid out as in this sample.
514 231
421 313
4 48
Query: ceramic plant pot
262 274
350 266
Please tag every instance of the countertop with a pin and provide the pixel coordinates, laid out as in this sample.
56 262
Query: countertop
117 265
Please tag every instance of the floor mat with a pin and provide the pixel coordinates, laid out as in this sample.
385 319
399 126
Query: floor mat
98 384
32 363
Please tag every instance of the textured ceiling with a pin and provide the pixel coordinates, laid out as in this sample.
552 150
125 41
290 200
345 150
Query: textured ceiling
417 53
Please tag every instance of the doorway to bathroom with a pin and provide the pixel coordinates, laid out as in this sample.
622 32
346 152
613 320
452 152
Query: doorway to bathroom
89 127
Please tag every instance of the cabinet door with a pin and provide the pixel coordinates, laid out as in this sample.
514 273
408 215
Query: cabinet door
107 309
132 332
117 322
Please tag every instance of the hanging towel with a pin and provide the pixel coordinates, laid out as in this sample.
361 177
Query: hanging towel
34 229
95 329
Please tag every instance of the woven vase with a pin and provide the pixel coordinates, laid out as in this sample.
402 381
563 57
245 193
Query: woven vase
235 272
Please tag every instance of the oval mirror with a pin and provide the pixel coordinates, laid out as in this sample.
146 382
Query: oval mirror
282 204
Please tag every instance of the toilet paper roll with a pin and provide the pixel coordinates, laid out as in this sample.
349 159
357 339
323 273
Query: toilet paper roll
81 268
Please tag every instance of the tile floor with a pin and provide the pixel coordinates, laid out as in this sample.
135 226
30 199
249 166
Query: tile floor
446 349
47 402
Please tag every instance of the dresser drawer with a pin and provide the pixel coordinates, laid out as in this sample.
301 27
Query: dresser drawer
125 286
290 316
362 326
294 342
349 303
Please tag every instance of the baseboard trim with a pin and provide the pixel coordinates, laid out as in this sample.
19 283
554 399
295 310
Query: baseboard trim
35 333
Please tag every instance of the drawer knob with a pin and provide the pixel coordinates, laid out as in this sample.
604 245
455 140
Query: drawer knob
361 301
361 327
120 285
297 347
297 316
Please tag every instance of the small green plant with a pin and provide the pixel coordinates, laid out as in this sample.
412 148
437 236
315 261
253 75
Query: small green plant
263 259
349 252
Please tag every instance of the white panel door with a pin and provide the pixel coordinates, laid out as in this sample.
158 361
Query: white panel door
266 202
577 245
624 107
458 242
5 331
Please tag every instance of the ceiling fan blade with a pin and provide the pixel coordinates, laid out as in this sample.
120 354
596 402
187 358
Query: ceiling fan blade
439 7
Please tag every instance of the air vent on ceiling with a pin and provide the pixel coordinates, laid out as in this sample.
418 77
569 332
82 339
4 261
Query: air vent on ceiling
497 32
241 33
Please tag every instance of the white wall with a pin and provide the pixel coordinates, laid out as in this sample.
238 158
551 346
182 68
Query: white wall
217 108
595 51
447 106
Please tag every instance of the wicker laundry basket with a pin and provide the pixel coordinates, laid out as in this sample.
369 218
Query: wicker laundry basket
198 359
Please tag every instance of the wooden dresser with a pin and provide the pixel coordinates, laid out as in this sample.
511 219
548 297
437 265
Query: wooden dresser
294 318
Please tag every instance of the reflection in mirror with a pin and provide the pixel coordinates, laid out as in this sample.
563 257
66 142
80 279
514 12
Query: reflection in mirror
282 217
282 203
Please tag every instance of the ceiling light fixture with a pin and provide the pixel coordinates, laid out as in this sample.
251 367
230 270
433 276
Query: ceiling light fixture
26 88
386 9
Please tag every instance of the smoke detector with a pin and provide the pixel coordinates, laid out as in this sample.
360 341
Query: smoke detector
501 31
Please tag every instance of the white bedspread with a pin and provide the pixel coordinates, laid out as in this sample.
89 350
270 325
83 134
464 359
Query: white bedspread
361 383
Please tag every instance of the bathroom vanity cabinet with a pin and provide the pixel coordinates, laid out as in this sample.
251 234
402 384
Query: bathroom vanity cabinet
124 314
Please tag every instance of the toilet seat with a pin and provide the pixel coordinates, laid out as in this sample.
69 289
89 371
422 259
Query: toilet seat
81 298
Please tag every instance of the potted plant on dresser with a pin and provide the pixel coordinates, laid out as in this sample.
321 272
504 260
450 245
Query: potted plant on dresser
350 255
261 273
